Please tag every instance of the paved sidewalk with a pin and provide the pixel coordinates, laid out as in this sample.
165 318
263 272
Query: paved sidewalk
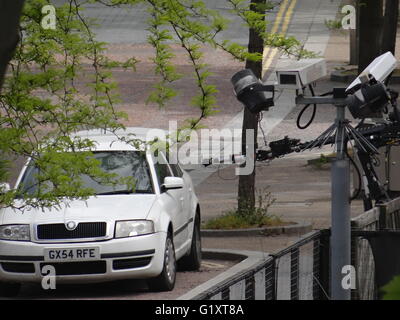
302 194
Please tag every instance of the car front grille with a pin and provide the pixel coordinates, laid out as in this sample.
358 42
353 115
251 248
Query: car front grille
18 267
77 268
83 230
131 263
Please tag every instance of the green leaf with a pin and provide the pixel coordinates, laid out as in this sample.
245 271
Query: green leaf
392 289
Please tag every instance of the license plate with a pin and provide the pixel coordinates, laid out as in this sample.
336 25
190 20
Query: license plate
72 254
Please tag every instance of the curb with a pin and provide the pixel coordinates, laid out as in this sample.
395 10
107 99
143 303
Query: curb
298 228
250 260
338 76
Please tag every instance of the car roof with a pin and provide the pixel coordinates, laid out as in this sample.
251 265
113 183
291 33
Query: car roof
107 140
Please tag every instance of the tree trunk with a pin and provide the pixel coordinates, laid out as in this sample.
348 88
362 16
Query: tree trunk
371 23
354 37
10 11
246 192
390 26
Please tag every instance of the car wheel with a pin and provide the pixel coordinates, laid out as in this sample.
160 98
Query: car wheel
8 289
166 280
192 262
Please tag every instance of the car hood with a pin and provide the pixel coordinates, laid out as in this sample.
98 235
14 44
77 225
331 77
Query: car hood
100 208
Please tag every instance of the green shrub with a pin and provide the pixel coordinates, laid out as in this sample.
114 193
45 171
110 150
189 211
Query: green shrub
232 220
333 24
247 217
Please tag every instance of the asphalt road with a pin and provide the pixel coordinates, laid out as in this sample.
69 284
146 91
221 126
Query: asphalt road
127 289
128 24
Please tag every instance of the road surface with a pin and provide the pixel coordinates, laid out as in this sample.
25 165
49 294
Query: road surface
127 289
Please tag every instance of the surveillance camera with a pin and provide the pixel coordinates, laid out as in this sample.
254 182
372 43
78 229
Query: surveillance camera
301 73
368 101
252 92
379 69
369 94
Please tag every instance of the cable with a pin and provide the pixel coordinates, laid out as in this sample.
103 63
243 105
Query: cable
307 106
355 196
304 109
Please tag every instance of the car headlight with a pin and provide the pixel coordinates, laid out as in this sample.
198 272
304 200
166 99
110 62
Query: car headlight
133 228
15 232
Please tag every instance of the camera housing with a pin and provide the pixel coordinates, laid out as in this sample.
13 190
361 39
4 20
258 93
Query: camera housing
252 92
299 74
369 95
379 69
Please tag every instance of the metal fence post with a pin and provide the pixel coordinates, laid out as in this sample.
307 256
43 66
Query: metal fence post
270 280
383 218
354 262
316 268
340 238
324 265
250 288
340 234
294 274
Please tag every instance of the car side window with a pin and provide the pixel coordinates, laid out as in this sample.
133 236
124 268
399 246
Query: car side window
175 168
162 171
177 171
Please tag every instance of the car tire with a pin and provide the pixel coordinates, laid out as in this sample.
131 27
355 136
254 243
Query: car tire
8 289
192 261
166 280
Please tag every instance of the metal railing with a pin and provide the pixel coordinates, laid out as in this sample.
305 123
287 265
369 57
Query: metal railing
302 271
383 217
295 273
299 269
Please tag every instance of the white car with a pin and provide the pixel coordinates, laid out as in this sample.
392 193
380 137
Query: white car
114 235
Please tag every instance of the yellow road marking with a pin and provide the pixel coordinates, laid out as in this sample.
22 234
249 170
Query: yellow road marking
270 53
276 25
288 17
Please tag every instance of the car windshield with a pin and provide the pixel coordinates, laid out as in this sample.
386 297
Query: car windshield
122 163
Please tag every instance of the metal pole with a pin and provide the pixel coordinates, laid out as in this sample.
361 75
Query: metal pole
340 235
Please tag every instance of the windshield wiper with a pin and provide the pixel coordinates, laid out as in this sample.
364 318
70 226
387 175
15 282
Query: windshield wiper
115 192
122 192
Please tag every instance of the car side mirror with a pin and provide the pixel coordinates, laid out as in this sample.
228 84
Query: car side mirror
171 183
4 187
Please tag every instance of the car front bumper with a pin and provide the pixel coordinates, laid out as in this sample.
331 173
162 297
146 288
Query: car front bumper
128 258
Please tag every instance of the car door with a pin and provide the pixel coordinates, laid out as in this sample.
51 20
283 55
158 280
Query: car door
173 201
187 192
